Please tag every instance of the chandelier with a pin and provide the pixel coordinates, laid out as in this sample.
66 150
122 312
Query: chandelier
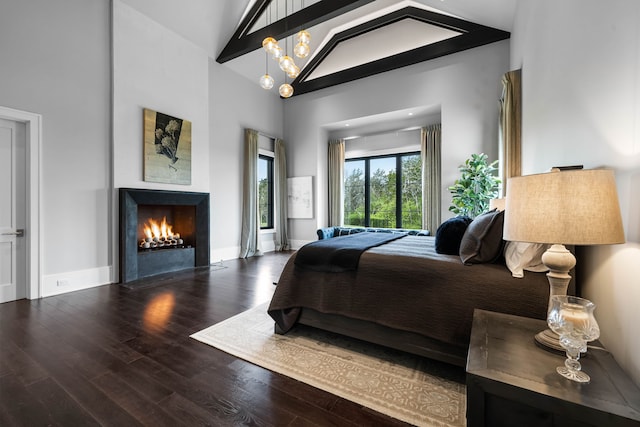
287 63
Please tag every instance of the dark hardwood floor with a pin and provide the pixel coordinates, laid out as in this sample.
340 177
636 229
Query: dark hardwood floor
119 356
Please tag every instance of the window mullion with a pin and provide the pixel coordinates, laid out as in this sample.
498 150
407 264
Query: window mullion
270 191
402 203
265 193
367 194
398 191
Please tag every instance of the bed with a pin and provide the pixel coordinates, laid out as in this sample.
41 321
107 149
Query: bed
405 295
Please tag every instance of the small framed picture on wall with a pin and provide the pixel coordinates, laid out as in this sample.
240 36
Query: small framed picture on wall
300 197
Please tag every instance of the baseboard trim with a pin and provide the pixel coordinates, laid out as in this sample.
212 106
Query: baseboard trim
56 284
62 283
297 244
218 254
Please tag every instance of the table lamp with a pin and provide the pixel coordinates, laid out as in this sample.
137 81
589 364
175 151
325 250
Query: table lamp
574 207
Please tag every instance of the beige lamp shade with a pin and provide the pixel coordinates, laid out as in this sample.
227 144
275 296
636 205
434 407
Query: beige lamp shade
575 207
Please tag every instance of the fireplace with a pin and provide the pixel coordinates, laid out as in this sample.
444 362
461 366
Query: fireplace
178 235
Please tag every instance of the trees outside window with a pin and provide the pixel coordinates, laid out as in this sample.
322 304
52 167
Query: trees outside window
265 191
384 191
354 201
411 191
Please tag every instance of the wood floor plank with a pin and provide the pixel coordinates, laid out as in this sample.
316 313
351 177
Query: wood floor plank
4 369
153 390
264 398
50 353
191 414
327 408
14 360
62 409
217 397
86 356
145 411
255 374
109 338
5 418
20 406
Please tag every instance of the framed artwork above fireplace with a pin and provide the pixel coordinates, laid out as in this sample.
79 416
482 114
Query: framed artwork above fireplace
167 148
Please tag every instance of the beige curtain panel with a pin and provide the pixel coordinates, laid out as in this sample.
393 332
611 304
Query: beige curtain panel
336 182
280 195
431 138
510 129
250 235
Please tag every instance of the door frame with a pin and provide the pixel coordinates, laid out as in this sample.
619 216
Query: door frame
33 124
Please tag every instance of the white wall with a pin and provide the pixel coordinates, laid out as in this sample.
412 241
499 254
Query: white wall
581 105
164 64
157 69
465 85
383 143
57 64
205 23
236 104
56 61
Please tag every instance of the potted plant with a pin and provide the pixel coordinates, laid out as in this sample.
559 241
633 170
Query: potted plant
477 185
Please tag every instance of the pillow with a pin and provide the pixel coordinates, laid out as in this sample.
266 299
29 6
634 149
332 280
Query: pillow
346 231
418 232
325 232
482 241
449 235
521 256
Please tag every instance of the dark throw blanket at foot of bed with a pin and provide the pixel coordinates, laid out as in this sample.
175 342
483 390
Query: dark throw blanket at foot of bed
340 253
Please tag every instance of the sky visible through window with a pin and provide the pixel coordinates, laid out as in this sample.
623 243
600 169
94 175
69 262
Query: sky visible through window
387 164
262 170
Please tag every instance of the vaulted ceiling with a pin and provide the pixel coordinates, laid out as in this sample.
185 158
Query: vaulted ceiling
353 39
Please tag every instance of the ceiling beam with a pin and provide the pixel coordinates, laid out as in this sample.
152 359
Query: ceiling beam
472 35
243 42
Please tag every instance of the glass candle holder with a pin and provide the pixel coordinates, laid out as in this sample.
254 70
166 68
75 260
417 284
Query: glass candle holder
573 320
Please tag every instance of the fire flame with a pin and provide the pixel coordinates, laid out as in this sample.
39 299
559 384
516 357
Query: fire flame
153 228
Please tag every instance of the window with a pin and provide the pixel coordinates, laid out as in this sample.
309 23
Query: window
384 191
265 190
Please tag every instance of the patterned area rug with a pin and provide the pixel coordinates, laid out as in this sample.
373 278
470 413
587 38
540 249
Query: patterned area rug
406 387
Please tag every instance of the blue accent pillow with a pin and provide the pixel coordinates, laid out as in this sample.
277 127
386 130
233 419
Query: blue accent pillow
325 233
346 231
449 235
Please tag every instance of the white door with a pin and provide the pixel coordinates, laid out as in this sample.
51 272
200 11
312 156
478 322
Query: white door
13 254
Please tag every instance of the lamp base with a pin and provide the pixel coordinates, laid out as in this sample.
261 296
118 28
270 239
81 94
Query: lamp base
549 340
559 261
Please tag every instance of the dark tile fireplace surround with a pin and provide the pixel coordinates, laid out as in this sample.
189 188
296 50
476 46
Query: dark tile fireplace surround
188 211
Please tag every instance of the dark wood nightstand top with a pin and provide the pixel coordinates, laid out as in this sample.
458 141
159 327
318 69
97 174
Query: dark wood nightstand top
502 350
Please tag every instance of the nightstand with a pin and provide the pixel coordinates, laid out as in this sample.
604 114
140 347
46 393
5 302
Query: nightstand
513 382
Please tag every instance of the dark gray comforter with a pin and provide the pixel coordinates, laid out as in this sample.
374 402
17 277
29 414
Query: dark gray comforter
406 285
